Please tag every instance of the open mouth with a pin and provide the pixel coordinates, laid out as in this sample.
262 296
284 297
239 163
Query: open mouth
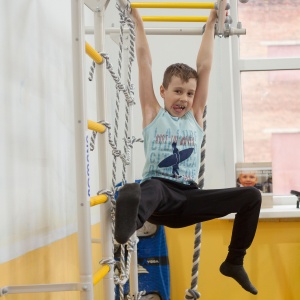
179 108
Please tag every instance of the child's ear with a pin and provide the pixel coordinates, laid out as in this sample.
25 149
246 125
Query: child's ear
162 91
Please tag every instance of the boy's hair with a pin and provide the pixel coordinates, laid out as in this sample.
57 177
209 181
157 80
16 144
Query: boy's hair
183 71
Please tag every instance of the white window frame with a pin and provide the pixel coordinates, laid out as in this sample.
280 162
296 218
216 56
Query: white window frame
248 65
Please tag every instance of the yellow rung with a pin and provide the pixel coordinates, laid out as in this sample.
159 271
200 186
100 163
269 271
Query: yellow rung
202 5
174 19
100 274
99 199
96 126
93 54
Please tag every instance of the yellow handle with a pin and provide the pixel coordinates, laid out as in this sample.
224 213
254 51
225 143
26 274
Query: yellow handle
99 199
203 5
96 126
100 274
93 54
174 19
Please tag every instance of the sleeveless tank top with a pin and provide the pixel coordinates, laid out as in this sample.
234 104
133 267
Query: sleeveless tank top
172 148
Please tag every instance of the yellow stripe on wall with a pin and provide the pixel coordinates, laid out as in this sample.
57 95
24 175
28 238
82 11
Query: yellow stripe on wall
272 263
55 263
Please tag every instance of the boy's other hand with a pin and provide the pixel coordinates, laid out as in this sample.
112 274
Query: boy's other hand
212 16
136 15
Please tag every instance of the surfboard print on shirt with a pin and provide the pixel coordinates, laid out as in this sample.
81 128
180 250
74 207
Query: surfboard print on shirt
175 159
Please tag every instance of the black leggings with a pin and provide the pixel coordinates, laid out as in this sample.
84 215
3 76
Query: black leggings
164 202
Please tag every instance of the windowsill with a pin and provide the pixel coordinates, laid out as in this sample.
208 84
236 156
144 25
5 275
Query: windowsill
284 207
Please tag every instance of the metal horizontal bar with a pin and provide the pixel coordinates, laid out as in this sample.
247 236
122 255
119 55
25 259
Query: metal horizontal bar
174 18
190 5
269 64
154 31
168 31
41 288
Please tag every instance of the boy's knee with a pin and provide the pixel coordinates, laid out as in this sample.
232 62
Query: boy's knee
254 194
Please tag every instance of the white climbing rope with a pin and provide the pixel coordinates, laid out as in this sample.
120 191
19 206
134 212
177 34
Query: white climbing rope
192 293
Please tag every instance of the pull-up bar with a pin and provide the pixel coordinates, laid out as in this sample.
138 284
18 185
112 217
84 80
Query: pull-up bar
203 5
219 5
174 18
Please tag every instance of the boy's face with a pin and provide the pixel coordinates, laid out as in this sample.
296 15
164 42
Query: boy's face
248 179
179 96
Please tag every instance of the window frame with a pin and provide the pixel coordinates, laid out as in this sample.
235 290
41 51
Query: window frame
249 65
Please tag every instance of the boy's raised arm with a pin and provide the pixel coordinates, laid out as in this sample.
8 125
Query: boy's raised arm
204 63
149 103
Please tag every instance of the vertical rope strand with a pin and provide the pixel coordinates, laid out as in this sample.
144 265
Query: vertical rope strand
192 293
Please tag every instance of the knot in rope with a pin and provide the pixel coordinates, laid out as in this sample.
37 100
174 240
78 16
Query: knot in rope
94 134
126 159
116 152
121 280
129 99
122 19
127 7
107 261
106 192
137 297
132 243
109 65
124 13
128 142
120 87
191 294
104 55
128 21
106 124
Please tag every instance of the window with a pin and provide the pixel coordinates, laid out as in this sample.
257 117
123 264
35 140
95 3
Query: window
269 23
270 104
270 92
269 70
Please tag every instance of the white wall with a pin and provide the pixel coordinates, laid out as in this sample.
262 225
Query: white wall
37 177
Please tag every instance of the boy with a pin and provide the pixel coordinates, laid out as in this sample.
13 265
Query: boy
247 179
168 194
